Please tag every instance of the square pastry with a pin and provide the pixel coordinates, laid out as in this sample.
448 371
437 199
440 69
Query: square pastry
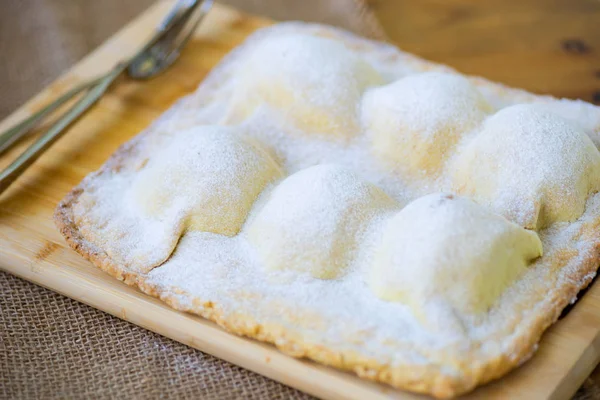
357 206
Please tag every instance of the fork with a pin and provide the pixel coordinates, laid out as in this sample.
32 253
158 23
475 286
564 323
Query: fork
153 58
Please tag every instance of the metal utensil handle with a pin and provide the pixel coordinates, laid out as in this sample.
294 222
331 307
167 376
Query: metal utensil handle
10 136
168 31
174 21
34 151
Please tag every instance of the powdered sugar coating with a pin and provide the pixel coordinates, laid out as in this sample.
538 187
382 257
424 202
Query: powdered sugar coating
313 221
530 165
313 83
414 122
210 175
449 251
343 315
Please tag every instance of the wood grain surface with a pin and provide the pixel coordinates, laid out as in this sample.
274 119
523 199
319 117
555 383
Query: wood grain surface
32 248
544 46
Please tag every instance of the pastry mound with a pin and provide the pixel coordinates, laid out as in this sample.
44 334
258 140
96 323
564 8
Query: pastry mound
416 121
530 165
313 82
447 249
312 221
209 177
357 206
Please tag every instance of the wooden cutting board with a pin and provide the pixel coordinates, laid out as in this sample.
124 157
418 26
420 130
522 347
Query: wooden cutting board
32 248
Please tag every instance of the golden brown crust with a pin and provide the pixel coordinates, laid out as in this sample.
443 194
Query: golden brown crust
428 378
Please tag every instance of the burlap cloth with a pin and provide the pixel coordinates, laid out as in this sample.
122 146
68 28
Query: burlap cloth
52 347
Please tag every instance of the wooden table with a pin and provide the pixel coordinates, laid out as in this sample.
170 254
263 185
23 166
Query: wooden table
544 46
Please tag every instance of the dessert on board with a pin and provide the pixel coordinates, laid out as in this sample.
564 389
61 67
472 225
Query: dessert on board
355 205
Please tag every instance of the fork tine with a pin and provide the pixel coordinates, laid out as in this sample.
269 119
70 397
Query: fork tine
204 8
154 59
